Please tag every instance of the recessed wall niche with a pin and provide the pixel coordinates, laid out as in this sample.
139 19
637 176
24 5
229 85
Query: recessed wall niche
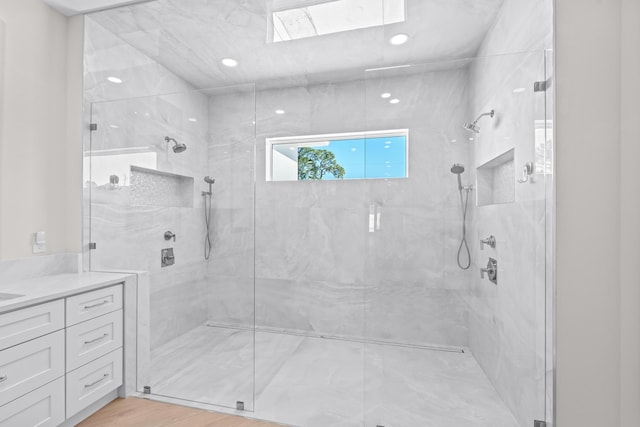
156 188
496 180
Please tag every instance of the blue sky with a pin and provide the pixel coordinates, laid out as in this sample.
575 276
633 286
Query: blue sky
370 158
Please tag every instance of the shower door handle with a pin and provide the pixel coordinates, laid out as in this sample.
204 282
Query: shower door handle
527 170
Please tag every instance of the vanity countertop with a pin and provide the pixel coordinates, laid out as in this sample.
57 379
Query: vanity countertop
48 288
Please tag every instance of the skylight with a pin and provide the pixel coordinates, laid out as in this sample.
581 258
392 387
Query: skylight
318 19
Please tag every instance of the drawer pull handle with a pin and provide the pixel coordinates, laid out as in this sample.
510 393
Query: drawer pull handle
97 381
3 378
96 339
87 307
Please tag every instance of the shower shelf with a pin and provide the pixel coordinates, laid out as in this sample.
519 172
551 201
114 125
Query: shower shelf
496 180
150 187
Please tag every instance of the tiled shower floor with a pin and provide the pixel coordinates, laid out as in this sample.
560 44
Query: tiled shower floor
314 382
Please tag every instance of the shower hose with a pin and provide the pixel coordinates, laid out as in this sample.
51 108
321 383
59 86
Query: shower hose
207 223
463 242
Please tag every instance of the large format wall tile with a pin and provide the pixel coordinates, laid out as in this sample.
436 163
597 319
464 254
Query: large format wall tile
313 250
507 321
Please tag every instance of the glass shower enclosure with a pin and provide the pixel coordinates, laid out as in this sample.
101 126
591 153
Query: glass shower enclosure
332 295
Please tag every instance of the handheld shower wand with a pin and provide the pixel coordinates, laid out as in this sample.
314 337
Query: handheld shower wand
209 181
458 169
208 195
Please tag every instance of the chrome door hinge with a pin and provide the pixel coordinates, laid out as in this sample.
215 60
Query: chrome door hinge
537 423
93 126
147 389
541 86
92 246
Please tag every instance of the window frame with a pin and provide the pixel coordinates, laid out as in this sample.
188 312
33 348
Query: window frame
310 140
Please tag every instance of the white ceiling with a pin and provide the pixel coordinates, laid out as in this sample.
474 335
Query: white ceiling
190 37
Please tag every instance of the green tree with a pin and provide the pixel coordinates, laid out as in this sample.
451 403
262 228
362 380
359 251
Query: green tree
314 164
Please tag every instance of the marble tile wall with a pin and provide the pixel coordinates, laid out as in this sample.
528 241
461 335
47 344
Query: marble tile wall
130 235
316 266
507 320
24 268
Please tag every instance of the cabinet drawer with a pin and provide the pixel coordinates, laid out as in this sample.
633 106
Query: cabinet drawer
89 340
93 304
43 407
29 323
27 366
93 381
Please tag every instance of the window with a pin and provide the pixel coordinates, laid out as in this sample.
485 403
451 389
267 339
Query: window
356 155
318 18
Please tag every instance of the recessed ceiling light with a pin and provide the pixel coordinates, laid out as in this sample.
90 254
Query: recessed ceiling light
192 119
228 62
387 146
399 39
114 80
454 140
385 95
470 139
279 111
394 101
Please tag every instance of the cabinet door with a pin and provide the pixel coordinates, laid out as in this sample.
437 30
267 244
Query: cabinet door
29 323
27 366
43 407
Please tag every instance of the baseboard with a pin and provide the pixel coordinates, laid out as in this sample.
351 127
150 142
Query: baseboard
90 410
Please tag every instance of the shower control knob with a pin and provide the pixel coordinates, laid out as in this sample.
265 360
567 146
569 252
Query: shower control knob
491 271
168 235
491 241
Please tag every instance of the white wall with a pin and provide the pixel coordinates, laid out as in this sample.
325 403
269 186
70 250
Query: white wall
630 217
39 171
597 213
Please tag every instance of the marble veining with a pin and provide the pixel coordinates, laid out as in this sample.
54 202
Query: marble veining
298 257
507 321
25 268
402 387
444 29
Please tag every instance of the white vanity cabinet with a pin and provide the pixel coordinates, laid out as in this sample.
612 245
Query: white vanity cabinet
59 357
94 346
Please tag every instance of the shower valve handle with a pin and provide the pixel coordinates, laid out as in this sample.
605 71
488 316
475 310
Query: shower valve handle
491 270
491 241
168 235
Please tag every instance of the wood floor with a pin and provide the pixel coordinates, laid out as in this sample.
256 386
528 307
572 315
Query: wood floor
148 413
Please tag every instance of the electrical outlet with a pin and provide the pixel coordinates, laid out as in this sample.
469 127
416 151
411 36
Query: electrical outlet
39 242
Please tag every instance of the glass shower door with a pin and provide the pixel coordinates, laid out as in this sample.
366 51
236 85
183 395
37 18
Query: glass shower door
148 200
444 345
310 248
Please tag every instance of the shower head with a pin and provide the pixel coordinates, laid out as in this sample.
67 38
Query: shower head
473 127
457 169
209 181
177 147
